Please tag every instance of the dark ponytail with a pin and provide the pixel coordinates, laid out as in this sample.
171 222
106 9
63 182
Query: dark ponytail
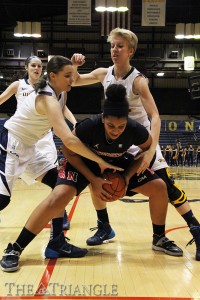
116 103
42 82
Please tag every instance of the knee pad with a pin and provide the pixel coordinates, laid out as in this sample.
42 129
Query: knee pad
176 195
4 201
50 178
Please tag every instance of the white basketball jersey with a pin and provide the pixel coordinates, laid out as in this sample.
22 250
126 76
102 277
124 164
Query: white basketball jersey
27 124
137 112
24 90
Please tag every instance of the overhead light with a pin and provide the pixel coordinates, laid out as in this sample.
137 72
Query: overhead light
111 5
122 5
189 31
36 29
180 31
26 29
100 5
18 30
197 30
160 74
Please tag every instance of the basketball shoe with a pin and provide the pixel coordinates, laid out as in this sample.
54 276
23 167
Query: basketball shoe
103 235
66 222
10 260
195 231
59 247
162 243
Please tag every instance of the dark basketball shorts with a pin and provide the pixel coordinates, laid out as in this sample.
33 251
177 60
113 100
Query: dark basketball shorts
68 175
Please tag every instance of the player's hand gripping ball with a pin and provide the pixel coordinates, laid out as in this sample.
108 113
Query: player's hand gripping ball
117 188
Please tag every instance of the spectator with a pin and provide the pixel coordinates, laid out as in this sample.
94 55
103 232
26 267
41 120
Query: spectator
190 155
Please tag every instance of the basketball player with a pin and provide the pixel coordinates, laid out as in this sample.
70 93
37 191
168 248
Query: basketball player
143 108
197 156
42 110
21 89
109 136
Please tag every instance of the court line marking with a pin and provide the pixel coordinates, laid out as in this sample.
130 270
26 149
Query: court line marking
175 228
42 287
44 282
95 297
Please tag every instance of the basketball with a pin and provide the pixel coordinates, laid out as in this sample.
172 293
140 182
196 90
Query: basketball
118 186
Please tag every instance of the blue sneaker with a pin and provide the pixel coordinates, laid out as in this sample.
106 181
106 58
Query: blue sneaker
195 231
66 222
103 234
10 260
59 247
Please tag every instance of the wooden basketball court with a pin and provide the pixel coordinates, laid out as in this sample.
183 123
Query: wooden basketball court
125 268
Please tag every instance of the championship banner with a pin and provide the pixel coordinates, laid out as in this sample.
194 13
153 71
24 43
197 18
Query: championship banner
79 12
153 12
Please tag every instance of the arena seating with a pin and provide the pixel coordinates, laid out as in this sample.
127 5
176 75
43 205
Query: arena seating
166 137
186 138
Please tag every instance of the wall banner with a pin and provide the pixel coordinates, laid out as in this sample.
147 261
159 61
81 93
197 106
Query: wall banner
153 12
79 12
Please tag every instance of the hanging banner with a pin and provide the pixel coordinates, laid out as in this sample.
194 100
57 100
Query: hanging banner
153 12
79 12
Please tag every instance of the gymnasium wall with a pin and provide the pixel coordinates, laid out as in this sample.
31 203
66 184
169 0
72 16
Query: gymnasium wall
169 101
87 100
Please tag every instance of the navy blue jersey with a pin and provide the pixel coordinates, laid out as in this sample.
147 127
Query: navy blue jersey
92 133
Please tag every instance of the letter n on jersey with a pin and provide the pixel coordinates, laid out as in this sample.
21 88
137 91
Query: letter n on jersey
72 176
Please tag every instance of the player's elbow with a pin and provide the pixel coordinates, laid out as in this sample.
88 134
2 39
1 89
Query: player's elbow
76 80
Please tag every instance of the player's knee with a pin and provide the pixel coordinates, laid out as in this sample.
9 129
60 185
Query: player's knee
50 178
177 196
61 197
4 201
158 189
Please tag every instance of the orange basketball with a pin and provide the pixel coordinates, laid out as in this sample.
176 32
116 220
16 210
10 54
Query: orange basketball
118 186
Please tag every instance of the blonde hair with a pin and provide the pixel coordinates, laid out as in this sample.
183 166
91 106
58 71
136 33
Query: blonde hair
128 35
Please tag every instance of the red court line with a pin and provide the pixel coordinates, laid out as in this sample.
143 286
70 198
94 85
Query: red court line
71 211
42 287
52 262
96 298
175 228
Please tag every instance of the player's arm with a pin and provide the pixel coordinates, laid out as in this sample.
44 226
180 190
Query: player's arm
48 105
69 115
86 79
96 182
9 92
138 166
141 87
